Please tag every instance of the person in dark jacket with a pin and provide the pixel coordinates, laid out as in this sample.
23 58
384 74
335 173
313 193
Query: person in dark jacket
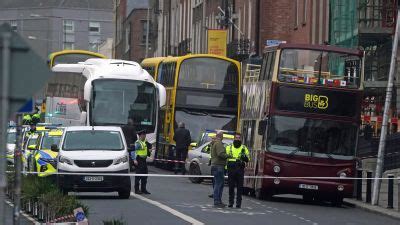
130 137
182 139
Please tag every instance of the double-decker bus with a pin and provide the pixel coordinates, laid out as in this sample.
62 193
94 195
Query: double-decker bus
151 65
300 118
203 91
116 90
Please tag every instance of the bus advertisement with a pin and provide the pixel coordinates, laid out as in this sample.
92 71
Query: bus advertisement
203 91
300 120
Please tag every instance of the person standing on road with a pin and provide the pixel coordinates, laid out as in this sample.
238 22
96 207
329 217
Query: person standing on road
238 157
139 160
130 137
182 139
218 162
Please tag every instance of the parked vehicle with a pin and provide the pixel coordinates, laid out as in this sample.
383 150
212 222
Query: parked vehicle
11 139
198 159
93 149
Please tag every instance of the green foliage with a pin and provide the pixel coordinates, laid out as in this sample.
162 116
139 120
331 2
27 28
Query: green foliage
44 190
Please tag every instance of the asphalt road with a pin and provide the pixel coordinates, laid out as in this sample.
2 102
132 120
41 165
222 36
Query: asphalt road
177 201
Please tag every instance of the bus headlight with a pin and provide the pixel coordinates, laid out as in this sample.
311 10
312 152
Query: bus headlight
342 175
340 188
277 169
277 181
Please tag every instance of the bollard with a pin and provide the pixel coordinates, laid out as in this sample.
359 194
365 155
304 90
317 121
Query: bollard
369 182
359 185
390 191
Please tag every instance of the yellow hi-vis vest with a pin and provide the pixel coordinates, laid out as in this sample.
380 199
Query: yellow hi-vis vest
236 153
142 152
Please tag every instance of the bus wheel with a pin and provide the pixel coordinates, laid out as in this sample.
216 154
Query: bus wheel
337 201
194 169
263 195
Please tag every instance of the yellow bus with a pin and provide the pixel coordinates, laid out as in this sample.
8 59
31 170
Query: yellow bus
203 91
72 56
151 65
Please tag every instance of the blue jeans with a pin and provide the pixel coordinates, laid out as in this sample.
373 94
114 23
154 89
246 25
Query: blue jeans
218 173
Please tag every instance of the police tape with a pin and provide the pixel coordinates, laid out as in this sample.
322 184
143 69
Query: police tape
199 176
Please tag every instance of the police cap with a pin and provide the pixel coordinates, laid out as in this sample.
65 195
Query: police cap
140 132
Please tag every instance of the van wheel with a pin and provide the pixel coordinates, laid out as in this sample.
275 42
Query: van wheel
194 169
124 193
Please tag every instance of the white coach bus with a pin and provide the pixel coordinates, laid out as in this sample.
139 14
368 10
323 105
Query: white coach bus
110 91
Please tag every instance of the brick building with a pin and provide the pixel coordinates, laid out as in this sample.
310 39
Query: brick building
181 25
131 30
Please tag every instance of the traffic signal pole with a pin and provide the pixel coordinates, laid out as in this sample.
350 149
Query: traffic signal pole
382 140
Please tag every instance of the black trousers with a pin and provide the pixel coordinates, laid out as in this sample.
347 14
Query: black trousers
235 180
141 168
181 154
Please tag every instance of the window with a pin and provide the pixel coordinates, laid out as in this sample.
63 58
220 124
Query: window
166 74
304 12
144 35
268 66
94 27
94 42
127 37
93 140
14 25
296 16
68 45
68 26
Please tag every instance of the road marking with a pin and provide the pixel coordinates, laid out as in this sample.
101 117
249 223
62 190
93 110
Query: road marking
22 213
168 209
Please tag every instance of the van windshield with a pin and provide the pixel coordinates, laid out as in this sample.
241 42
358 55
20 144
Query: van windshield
93 140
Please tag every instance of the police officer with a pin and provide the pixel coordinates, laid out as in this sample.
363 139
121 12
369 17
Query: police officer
139 160
239 156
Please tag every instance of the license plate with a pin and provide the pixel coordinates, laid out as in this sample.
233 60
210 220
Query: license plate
93 178
308 186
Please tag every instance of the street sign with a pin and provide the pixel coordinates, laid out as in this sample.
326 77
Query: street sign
27 108
28 71
274 42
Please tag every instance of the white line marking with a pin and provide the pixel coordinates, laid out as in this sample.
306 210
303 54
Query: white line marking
168 209
22 213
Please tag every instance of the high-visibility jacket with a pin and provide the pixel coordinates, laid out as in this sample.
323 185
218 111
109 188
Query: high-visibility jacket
26 119
237 154
142 151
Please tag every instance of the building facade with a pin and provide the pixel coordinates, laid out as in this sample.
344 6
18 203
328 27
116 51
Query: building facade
51 26
182 24
135 30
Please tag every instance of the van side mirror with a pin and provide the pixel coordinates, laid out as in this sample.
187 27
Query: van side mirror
32 147
54 148
262 126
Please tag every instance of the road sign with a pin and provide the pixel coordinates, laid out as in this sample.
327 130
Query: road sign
274 42
27 108
28 71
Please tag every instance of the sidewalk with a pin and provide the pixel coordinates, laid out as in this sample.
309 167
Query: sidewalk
372 208
9 215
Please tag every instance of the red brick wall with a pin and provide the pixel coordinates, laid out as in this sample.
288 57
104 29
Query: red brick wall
137 47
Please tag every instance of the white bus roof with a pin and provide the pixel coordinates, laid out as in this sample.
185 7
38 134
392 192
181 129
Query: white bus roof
106 68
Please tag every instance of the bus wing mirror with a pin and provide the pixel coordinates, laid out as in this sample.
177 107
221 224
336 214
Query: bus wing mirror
262 125
83 118
162 93
87 91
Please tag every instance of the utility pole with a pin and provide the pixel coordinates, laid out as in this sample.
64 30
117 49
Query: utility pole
6 56
382 141
147 32
18 169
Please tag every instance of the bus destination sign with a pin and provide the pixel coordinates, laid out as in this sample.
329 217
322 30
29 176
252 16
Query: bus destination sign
329 102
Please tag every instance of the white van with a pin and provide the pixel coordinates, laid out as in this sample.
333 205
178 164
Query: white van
95 149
